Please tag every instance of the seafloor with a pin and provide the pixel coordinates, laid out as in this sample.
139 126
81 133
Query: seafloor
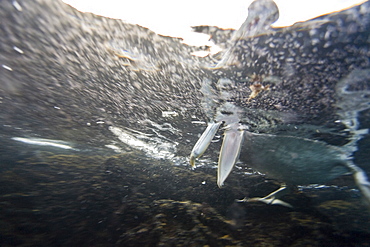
124 200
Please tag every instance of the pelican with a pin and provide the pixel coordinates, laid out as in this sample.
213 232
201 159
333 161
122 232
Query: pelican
293 160
282 55
203 142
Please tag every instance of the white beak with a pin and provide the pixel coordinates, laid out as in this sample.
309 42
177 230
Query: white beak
230 151
202 144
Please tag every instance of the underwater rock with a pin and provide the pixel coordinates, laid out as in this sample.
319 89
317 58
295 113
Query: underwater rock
128 201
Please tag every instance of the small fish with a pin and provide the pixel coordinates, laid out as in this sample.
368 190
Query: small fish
44 142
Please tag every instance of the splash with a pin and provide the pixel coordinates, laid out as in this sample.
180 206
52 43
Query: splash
261 15
154 147
353 94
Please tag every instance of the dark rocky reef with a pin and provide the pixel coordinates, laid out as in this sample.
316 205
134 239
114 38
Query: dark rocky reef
125 200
